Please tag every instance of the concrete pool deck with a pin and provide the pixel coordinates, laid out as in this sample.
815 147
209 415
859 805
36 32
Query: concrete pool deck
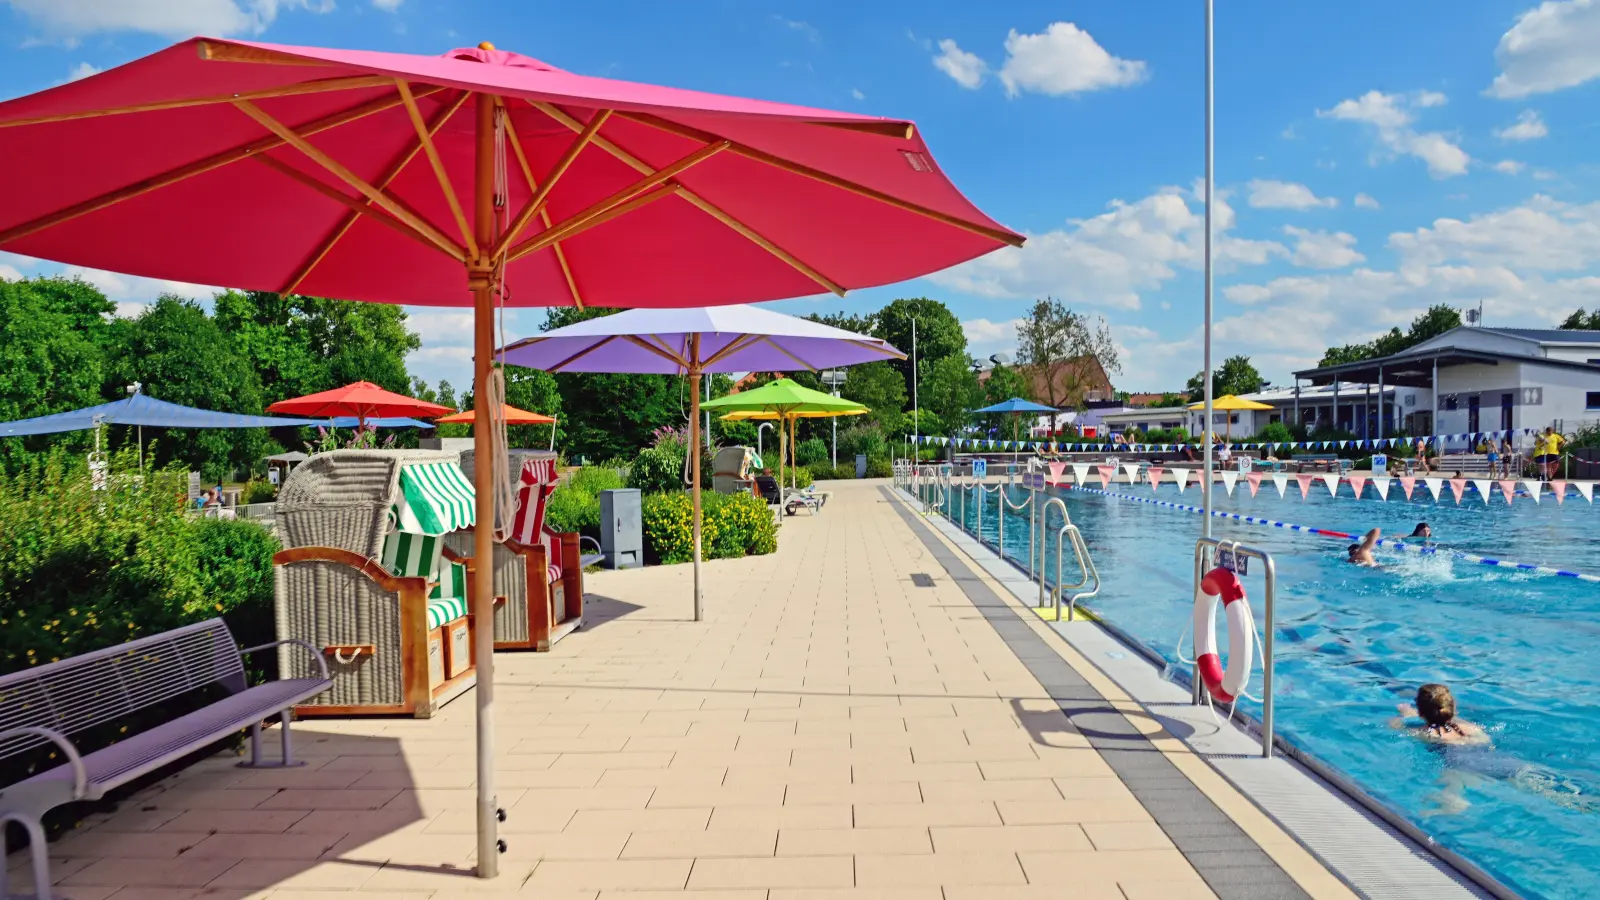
861 715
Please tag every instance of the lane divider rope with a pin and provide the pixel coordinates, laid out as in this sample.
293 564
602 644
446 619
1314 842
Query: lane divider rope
1423 550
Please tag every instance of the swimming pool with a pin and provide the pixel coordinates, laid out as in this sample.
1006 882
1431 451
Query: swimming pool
1353 643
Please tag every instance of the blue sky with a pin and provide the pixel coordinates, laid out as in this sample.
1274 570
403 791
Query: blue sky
1372 158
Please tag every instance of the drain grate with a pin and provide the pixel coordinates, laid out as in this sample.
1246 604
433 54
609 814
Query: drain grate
922 579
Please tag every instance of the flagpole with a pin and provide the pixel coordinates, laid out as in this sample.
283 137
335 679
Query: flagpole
1210 178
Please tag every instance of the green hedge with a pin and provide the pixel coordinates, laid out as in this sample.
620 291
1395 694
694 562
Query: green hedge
657 469
823 471
575 503
879 467
732 525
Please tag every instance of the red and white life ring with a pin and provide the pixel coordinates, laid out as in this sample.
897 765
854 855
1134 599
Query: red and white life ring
1224 686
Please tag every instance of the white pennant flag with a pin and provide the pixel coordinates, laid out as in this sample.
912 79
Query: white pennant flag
1132 471
1380 483
1435 485
1332 481
1282 481
1483 486
1586 488
1229 479
1534 486
1080 471
1180 476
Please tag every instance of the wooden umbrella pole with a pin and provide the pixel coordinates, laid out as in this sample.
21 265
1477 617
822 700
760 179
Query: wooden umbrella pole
480 275
694 457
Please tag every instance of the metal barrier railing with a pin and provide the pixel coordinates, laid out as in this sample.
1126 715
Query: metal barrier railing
1206 555
1088 573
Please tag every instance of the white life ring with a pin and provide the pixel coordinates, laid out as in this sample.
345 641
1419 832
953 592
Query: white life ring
1224 686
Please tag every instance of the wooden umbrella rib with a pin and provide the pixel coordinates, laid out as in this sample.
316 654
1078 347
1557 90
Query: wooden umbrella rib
603 210
674 358
350 218
382 199
590 219
581 353
739 344
904 131
886 351
355 204
699 202
541 194
778 162
426 138
223 52
544 211
290 90
774 344
198 167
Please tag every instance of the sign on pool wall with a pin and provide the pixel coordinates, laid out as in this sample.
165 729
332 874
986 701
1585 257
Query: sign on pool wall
980 468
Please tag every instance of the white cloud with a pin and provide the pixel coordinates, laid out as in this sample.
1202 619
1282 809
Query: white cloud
1323 249
1392 116
1543 234
1108 260
1366 201
135 289
856 93
796 25
987 335
70 19
1064 59
1551 47
1269 194
10 273
82 70
1509 166
1528 127
388 6
966 68
1544 175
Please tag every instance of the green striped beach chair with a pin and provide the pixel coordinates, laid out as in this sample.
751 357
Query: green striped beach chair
368 578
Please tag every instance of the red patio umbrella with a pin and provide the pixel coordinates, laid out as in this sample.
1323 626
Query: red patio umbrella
461 180
363 399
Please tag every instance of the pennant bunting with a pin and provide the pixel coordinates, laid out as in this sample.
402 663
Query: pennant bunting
1559 488
1282 482
1484 486
1586 488
1305 484
1132 471
1435 485
1458 486
1534 486
1080 471
1229 479
1332 481
1057 470
1254 478
1507 488
1180 476
1380 486
1106 474
1408 484
1155 473
1357 482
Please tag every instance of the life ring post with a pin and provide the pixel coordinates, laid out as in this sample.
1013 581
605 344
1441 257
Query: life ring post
1213 585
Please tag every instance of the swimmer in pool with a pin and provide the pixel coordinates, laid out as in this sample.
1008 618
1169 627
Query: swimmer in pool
1361 554
1472 760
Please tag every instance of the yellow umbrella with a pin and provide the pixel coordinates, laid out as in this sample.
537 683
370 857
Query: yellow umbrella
1230 403
791 419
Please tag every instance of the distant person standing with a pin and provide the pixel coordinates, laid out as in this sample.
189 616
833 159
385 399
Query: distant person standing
1508 453
1491 451
1549 447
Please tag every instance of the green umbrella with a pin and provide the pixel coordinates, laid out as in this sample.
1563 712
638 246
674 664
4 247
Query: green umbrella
787 399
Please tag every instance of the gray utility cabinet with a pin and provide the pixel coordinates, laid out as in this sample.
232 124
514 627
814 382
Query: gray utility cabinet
621 534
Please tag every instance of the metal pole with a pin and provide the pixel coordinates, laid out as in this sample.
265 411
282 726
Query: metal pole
480 277
916 408
1210 178
1266 664
694 464
1433 402
708 415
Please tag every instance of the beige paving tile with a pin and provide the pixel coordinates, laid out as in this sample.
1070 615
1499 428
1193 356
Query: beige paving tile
1082 890
852 841
396 879
1107 865
670 819
734 894
920 772
169 873
621 874
1008 838
890 815
958 791
684 844
719 795
773 872
1126 836
831 794
938 869
781 817
1035 812
1165 890
308 846
856 893
306 799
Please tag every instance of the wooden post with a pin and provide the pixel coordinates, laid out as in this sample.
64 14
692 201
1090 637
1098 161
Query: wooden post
487 469
694 456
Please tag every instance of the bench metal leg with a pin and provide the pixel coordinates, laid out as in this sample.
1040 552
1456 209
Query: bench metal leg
38 853
255 749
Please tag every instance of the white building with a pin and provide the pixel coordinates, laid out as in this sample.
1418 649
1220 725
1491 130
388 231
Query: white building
1471 380
1354 406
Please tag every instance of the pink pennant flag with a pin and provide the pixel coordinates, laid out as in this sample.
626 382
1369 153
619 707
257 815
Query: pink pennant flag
1255 481
1559 488
1155 473
1508 488
1305 484
1357 482
1458 486
1409 484
1056 471
1106 473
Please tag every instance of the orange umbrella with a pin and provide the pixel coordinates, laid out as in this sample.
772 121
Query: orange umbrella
513 416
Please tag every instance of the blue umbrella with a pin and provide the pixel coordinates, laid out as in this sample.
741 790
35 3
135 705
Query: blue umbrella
1016 406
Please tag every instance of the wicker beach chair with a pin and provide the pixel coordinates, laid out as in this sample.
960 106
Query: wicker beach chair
366 577
731 468
539 571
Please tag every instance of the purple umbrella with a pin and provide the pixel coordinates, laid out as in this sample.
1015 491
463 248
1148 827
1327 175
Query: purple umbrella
695 342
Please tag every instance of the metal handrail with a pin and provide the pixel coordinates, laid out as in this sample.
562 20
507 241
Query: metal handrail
1204 552
1088 572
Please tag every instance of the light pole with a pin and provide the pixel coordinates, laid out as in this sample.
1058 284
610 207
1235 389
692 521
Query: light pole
133 390
916 422
1210 178
833 378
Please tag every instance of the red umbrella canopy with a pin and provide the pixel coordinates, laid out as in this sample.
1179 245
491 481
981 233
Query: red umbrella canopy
363 399
351 174
513 416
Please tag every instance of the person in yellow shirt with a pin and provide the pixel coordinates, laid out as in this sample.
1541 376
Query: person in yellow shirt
1549 446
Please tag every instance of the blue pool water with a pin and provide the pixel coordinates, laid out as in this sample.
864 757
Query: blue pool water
1518 649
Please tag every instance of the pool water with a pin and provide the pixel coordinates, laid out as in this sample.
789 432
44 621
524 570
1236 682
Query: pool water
1518 649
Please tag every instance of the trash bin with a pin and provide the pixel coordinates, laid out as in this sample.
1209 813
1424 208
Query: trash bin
861 465
621 532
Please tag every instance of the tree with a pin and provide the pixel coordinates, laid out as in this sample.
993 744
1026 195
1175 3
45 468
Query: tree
1236 376
950 391
879 387
860 324
939 335
182 356
534 391
301 345
1064 353
1437 320
47 362
1169 400
1581 321
1004 382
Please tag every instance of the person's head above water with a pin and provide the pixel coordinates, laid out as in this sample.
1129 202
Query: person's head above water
1422 531
1353 549
1436 705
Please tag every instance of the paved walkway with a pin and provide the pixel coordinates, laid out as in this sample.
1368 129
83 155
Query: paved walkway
847 723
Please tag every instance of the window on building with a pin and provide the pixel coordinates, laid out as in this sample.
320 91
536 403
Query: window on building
1591 400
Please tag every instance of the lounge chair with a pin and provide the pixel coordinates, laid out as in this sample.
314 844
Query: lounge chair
366 579
808 498
539 571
